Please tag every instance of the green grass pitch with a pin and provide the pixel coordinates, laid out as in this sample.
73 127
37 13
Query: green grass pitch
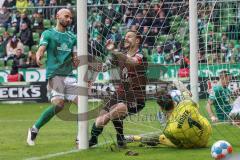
57 139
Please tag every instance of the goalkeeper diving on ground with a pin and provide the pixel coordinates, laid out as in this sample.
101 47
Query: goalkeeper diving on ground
185 126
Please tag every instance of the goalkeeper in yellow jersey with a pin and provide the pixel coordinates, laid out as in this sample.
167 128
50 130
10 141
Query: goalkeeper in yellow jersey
185 126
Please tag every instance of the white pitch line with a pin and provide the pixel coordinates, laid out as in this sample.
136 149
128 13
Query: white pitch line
53 155
60 153
71 151
19 120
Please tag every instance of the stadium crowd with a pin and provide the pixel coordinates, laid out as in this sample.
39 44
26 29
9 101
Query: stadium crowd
163 25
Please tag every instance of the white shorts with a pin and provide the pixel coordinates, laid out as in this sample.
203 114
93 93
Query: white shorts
60 87
235 112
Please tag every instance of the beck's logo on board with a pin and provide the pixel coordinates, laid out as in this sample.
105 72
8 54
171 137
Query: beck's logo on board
23 92
20 92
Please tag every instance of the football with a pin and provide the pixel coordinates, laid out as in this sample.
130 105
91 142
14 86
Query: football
221 149
176 95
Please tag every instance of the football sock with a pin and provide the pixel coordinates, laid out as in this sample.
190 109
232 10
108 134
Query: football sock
46 116
118 125
95 132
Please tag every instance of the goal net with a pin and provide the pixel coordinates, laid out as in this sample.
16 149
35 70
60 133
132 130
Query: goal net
164 26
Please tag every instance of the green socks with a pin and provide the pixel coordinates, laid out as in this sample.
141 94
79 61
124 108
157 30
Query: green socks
45 116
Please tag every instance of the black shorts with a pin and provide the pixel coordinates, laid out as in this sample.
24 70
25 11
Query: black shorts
134 106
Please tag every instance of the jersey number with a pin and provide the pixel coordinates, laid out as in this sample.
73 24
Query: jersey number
192 123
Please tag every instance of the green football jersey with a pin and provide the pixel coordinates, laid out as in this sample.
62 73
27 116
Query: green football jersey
221 99
60 47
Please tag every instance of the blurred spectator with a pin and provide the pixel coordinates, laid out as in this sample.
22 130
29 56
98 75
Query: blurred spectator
139 21
15 26
94 32
6 38
24 19
229 56
40 8
201 58
128 18
148 37
98 17
162 23
148 16
30 10
14 75
210 41
51 12
134 28
224 43
175 10
115 37
4 17
37 22
19 59
168 58
176 55
2 50
13 45
236 55
107 27
92 15
158 56
109 12
119 10
96 47
184 69
31 60
156 8
134 7
96 2
155 32
26 35
9 3
21 6
215 58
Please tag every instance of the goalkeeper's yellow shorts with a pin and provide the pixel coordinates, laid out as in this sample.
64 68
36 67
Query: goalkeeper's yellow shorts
186 127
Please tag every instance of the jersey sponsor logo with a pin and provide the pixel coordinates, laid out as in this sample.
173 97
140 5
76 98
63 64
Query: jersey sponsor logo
183 118
64 47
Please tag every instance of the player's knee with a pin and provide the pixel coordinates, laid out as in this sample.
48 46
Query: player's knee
121 108
59 103
101 121
119 112
121 105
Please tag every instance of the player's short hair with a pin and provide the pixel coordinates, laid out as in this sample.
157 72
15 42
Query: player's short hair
164 100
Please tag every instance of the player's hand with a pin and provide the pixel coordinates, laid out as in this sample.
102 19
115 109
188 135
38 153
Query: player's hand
110 45
75 61
38 59
214 119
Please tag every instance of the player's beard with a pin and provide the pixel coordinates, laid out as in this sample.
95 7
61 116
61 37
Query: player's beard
64 23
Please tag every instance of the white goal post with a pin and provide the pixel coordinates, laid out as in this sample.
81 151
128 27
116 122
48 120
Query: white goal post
193 32
82 43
